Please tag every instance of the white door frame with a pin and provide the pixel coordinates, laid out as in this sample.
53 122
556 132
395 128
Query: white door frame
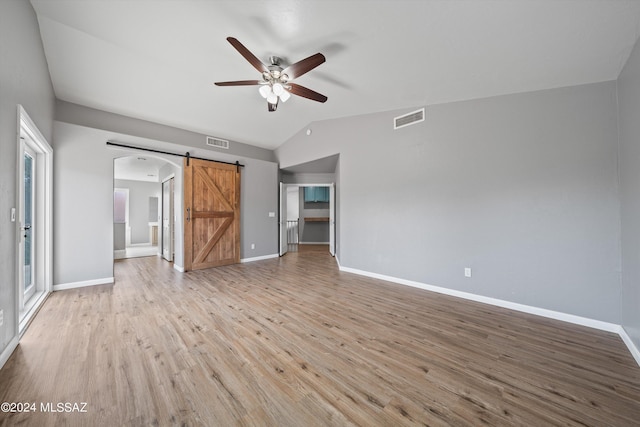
332 219
282 219
29 135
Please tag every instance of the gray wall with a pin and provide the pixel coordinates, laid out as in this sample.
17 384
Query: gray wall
83 176
97 119
521 188
308 178
24 79
259 198
629 125
83 205
139 193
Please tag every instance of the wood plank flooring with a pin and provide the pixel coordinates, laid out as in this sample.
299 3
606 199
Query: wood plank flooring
295 342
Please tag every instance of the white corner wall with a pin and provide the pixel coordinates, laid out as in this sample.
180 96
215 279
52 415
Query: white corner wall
629 146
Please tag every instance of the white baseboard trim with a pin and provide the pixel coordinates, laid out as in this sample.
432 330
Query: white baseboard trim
178 267
8 351
120 254
313 243
635 352
73 285
259 258
578 320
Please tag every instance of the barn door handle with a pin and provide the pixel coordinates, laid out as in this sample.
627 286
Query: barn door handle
188 214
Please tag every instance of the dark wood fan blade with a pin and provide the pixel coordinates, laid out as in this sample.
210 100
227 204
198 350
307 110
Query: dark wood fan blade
239 83
253 60
304 66
306 93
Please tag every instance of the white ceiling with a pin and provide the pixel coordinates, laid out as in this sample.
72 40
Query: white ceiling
138 168
158 60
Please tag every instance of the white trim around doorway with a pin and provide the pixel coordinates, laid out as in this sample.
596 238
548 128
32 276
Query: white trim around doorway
44 202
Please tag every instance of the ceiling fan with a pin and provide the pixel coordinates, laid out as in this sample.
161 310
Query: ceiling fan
276 85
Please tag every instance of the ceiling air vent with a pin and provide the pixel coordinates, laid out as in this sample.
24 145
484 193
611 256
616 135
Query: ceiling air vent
218 143
408 119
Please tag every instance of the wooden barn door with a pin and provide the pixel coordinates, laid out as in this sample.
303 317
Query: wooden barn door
212 214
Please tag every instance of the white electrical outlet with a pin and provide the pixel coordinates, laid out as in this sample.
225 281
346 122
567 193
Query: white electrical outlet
1 317
253 246
272 214
467 272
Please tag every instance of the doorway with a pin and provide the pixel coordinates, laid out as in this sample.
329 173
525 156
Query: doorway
34 221
312 222
143 175
137 206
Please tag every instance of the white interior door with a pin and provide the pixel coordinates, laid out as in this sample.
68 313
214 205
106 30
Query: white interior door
283 219
332 220
167 219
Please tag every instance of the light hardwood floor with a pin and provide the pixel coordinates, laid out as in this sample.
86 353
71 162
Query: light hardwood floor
295 342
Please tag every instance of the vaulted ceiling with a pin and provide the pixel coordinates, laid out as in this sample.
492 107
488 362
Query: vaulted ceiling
158 60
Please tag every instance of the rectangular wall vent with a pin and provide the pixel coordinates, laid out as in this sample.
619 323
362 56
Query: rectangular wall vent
217 142
408 119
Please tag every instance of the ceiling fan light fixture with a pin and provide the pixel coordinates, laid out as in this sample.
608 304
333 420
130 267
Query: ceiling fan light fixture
278 88
272 98
275 84
284 96
265 90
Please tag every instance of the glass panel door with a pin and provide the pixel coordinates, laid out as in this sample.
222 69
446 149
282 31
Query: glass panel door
33 221
28 226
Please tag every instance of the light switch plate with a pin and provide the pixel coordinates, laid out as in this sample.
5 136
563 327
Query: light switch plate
13 214
467 272
272 214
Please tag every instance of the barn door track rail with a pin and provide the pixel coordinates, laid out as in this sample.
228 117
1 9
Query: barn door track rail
188 156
